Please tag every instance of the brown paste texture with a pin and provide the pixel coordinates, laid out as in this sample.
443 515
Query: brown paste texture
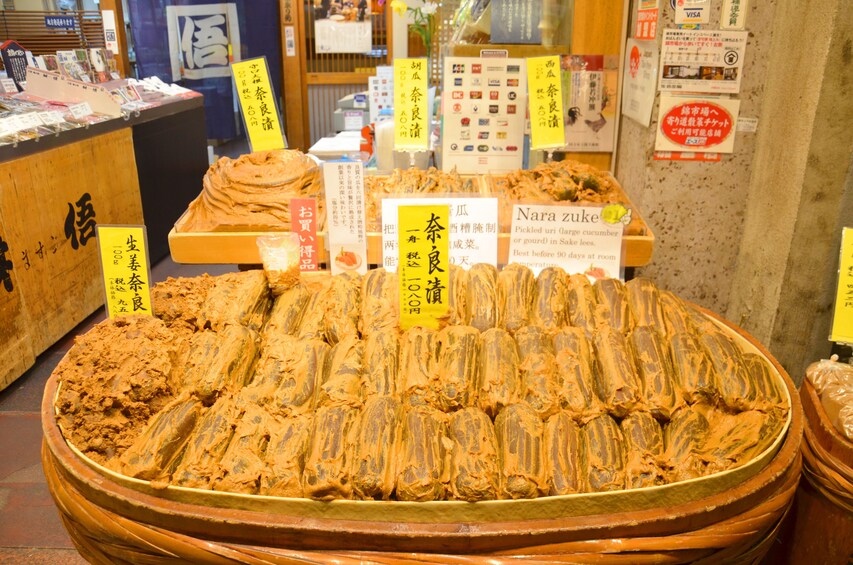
531 386
253 190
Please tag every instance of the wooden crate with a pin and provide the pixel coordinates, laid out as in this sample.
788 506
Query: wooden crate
55 286
239 247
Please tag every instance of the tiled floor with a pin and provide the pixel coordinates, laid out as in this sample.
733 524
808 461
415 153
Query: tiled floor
30 528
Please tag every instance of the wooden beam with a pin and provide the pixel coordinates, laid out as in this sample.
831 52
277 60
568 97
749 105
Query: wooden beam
339 78
294 90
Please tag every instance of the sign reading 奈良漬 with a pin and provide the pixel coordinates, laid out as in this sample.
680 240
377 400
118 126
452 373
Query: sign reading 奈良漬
424 271
473 229
411 107
547 130
257 102
125 267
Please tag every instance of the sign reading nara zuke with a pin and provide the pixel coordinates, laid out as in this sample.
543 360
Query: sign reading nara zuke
580 239
424 265
124 263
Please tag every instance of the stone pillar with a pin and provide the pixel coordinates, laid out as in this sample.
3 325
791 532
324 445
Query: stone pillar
799 191
755 237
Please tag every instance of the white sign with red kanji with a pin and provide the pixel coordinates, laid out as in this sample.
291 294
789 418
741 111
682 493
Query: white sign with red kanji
696 124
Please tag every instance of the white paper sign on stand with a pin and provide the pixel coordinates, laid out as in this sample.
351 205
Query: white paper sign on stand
473 229
344 186
576 238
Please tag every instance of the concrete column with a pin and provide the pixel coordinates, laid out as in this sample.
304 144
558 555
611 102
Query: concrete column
799 190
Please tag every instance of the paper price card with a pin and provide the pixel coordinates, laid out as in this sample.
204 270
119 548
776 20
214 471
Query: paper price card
344 186
546 103
473 229
257 103
303 222
125 267
580 239
424 265
842 318
411 109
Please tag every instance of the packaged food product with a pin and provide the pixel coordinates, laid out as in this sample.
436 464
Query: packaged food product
374 457
581 302
380 302
285 457
644 465
287 311
564 455
611 293
481 297
341 382
423 469
520 452
242 464
660 395
575 366
418 364
206 445
605 454
693 371
499 383
382 364
327 465
474 473
515 291
550 304
454 384
618 385
538 366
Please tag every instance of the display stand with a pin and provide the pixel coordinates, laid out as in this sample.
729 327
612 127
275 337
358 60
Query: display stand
144 168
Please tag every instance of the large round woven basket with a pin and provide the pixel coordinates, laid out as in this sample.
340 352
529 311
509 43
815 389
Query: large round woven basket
823 521
112 523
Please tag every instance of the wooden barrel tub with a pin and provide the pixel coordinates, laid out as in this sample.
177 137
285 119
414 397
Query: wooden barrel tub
111 521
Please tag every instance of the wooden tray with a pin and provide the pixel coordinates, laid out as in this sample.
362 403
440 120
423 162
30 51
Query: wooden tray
105 516
238 247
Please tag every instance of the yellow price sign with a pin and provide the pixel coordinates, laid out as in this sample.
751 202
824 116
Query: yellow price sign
545 89
842 318
411 108
257 103
124 264
424 265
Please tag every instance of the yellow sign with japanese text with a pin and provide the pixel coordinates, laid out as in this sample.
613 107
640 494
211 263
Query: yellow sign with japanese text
547 130
257 103
424 266
842 318
411 108
124 264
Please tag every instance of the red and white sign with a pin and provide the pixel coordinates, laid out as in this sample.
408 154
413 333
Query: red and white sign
647 20
696 124
303 222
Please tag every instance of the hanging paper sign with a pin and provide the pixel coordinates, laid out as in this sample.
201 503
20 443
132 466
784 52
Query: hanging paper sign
125 267
590 84
473 229
546 103
842 318
702 61
696 124
257 102
303 222
59 22
580 239
424 265
640 80
647 19
411 109
344 187
733 14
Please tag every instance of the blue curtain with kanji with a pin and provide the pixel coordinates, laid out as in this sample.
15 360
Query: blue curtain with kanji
259 35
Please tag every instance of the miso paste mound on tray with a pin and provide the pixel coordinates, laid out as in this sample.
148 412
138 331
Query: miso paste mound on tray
533 386
253 190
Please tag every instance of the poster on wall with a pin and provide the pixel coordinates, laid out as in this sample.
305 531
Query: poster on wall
203 40
342 26
516 21
696 123
640 80
589 92
484 108
702 61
